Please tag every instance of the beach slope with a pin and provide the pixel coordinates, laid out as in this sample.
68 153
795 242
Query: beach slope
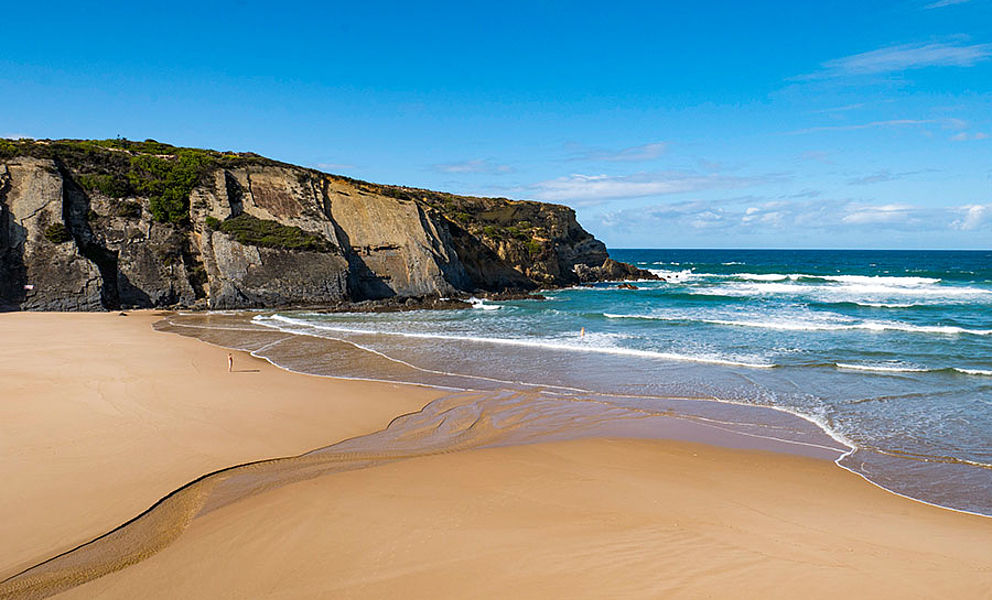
100 416
105 416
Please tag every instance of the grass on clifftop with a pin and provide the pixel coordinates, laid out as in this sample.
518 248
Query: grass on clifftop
252 231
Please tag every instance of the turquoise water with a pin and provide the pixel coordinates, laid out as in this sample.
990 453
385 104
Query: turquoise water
889 352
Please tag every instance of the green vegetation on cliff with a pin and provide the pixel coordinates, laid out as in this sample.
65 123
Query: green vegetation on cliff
56 233
167 182
166 174
134 215
108 185
253 231
8 149
154 178
120 168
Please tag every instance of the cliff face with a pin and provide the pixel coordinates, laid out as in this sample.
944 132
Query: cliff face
33 203
93 225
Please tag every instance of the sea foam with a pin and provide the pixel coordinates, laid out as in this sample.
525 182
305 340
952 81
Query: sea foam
799 324
575 344
882 368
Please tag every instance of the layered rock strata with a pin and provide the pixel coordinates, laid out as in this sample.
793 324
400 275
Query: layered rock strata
80 231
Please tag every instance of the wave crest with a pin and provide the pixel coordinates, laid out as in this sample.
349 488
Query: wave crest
784 324
574 345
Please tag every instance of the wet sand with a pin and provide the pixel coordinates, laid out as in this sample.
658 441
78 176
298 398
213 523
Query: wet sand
588 518
122 415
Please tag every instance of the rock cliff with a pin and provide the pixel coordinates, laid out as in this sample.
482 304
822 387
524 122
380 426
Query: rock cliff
91 225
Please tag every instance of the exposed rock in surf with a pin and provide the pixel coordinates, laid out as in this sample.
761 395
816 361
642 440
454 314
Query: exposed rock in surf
612 270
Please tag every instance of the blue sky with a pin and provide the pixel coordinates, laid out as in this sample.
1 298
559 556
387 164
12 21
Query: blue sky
664 124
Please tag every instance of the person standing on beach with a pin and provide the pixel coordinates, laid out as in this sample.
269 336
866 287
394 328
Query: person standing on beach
230 362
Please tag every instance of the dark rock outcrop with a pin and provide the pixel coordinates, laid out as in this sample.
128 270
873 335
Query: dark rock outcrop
612 270
41 272
91 225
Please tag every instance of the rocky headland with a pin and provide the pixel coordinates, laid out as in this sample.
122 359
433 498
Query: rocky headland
108 224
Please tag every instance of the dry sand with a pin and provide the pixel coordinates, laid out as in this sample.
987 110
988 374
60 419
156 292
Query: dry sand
100 416
105 416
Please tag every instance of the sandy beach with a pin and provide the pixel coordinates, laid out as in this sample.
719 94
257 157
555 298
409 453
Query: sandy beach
102 416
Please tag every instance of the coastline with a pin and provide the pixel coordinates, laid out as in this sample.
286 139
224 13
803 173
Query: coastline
399 527
772 423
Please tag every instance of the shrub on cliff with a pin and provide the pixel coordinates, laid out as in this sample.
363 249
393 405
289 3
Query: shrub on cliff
8 149
128 210
253 231
56 233
163 173
534 248
145 147
167 182
108 185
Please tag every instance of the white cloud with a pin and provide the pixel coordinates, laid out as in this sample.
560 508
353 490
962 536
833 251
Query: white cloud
838 109
901 58
755 216
872 125
882 176
965 136
767 214
943 3
805 193
953 123
593 189
973 216
643 152
473 166
16 136
601 187
885 213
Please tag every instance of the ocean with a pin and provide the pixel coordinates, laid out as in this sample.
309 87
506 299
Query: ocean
889 353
